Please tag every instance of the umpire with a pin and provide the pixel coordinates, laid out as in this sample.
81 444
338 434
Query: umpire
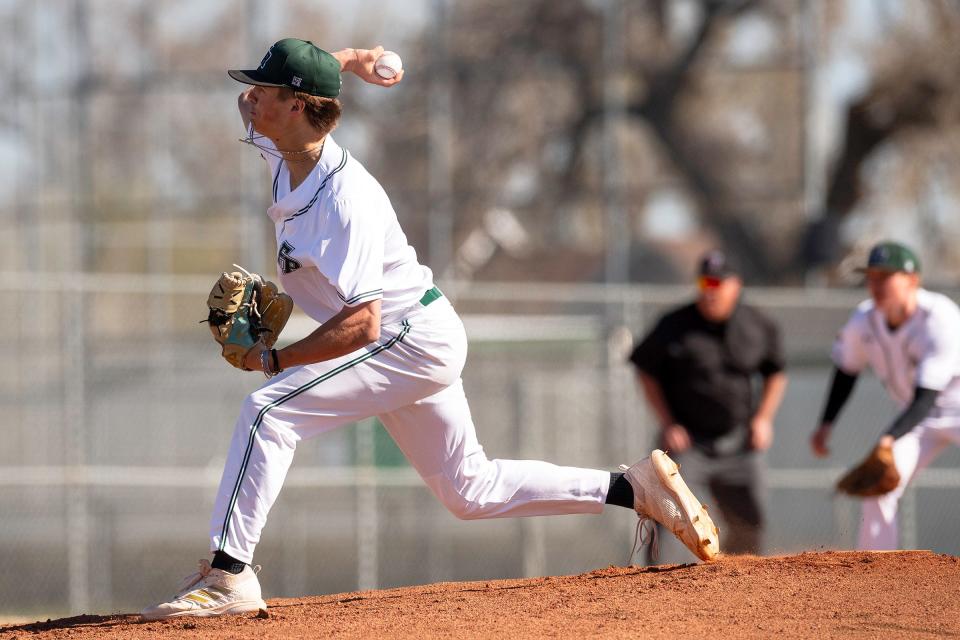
699 370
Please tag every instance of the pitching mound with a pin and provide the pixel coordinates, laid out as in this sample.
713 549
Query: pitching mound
910 594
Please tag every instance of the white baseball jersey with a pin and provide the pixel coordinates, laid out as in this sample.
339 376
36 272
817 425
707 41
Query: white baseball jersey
340 244
338 240
923 352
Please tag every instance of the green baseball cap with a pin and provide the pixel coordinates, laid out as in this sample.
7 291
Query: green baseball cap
892 256
297 64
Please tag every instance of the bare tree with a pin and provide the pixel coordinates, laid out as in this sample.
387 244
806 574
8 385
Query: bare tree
527 89
529 103
912 107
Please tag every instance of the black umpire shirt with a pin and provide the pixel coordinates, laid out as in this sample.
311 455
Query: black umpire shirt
707 369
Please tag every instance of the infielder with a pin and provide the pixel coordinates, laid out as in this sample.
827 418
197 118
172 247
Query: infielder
911 339
388 344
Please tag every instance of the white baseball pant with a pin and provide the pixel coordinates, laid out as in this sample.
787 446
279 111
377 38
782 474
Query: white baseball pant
911 453
410 379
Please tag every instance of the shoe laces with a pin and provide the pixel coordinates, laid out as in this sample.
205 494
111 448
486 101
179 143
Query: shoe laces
191 580
646 534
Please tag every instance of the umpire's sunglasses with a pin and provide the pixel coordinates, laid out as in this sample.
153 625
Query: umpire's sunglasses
706 283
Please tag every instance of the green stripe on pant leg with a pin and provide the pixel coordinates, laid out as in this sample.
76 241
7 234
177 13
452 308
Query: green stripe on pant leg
260 415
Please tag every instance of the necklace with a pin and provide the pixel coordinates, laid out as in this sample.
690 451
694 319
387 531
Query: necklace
280 153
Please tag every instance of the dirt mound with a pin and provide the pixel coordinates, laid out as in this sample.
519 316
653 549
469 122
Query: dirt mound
909 594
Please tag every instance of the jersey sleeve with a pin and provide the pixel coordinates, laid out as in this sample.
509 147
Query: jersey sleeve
849 352
775 360
941 352
351 256
650 355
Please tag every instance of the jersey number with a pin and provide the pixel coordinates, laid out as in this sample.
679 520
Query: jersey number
286 262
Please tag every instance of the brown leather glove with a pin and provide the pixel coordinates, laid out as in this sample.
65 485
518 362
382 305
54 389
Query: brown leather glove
874 476
246 310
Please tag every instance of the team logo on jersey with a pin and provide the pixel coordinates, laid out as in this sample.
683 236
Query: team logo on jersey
287 263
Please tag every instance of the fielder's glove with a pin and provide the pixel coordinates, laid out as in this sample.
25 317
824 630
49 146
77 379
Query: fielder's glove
245 310
874 476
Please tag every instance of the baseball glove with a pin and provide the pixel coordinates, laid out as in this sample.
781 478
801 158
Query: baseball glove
246 310
874 476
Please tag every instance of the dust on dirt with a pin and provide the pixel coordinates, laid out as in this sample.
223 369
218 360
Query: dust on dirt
831 594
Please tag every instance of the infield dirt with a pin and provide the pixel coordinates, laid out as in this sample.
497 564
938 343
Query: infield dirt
833 594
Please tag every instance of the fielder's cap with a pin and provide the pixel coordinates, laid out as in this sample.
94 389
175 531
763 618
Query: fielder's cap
892 256
717 264
297 64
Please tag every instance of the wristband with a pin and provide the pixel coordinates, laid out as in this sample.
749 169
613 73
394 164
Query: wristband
265 363
275 358
270 362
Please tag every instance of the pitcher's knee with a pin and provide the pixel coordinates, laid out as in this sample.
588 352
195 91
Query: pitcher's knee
467 510
251 408
254 416
458 500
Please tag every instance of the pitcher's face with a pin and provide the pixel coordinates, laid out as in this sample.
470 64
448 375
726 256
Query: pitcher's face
269 113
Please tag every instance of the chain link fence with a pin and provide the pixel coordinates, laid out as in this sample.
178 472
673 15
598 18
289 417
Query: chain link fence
116 433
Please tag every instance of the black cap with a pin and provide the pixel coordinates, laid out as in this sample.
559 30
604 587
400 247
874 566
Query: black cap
716 264
296 64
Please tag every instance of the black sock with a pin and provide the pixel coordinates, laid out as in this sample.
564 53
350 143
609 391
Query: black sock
226 562
620 493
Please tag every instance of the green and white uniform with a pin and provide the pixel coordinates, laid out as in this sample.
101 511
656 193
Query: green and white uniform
923 352
339 244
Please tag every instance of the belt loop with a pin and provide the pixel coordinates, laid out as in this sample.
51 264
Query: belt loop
431 295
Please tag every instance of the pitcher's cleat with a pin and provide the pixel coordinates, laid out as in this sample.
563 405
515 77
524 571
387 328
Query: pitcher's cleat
660 493
212 592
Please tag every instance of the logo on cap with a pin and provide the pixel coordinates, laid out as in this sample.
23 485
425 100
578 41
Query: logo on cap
880 254
296 81
266 58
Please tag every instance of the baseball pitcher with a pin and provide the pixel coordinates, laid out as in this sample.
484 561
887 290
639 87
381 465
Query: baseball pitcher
387 344
911 339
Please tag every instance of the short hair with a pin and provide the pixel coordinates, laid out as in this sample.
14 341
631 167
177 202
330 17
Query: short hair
323 113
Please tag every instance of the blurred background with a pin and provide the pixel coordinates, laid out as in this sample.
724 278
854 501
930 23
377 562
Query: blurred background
561 165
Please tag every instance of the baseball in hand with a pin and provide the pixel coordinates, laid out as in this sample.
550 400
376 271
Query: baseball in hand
388 65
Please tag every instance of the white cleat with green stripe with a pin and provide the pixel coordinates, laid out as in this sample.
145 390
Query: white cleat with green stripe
212 592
